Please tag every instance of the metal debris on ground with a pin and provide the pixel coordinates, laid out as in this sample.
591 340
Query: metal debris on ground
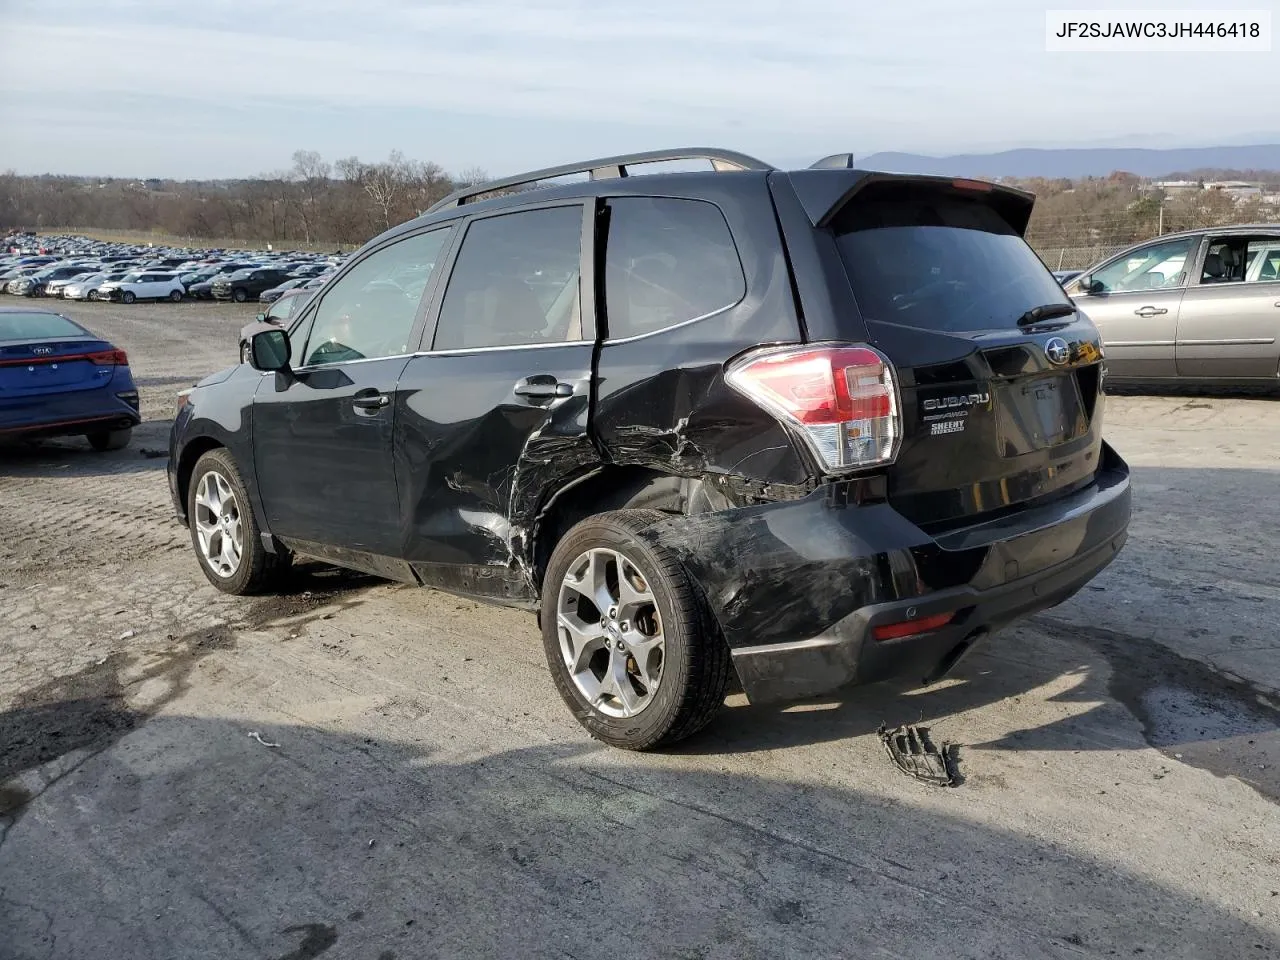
913 752
255 735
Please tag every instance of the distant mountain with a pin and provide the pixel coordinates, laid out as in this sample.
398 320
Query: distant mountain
1091 161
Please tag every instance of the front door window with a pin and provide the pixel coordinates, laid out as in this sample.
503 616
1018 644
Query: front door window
1157 266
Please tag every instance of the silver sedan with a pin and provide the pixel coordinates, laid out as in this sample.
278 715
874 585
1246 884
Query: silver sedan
1195 307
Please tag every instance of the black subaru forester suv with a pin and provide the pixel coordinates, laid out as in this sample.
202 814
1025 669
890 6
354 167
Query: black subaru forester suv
804 428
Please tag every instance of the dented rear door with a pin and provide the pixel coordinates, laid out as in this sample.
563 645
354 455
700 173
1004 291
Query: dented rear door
494 415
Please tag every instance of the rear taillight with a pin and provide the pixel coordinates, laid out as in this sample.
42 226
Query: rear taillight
843 399
109 358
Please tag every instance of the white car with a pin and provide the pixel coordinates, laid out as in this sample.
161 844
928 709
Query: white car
86 288
58 288
143 285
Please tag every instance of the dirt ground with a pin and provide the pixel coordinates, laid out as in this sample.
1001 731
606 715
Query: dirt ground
366 770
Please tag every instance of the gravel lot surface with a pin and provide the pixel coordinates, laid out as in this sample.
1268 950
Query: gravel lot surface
367 770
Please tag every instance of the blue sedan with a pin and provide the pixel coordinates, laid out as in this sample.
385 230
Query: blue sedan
57 379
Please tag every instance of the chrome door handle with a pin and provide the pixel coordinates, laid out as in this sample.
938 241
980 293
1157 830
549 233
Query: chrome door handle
542 387
1150 311
375 402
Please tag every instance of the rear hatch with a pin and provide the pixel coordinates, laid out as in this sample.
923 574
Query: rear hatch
43 354
995 412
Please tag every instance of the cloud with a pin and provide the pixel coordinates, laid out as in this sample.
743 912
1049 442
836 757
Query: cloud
775 76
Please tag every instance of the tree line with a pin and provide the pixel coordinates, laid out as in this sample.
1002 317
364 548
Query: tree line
1122 209
314 202
347 201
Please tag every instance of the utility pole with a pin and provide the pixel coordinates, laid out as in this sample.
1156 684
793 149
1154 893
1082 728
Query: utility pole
1160 228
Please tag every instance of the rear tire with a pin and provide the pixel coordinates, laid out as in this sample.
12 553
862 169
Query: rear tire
692 665
216 480
128 296
239 295
104 440
175 296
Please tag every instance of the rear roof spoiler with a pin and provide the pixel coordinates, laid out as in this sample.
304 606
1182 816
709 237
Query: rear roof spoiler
823 191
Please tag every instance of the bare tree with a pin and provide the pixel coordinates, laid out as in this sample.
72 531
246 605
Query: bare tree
385 183
471 176
310 174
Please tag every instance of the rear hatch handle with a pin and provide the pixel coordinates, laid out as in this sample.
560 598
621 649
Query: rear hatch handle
1048 311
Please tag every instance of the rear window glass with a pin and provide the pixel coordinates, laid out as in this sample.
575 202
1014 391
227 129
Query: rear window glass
667 261
36 326
941 264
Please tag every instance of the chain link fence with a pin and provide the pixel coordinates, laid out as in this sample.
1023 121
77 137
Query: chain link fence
1074 256
1073 240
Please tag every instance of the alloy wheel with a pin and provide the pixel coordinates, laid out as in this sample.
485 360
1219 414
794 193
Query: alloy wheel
219 530
610 632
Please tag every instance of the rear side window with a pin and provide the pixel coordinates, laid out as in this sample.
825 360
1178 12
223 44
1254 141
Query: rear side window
667 261
36 326
940 264
515 282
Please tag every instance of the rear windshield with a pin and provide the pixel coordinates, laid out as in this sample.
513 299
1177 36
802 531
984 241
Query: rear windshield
36 326
941 264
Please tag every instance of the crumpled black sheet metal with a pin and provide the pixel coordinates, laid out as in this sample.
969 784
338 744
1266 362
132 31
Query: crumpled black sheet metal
913 752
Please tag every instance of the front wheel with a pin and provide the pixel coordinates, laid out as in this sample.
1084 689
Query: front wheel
92 295
631 646
224 532
128 296
104 440
175 296
239 295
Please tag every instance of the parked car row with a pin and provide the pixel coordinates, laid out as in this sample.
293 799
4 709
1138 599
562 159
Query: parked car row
77 268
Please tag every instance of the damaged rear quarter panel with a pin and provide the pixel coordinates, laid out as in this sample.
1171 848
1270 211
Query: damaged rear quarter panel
662 402
784 572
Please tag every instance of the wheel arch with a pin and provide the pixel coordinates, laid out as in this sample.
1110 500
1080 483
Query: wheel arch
191 453
616 487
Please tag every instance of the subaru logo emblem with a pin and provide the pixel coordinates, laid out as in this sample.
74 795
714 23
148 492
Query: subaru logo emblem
42 350
1057 351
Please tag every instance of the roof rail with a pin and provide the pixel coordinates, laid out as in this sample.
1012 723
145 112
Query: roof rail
837 161
605 168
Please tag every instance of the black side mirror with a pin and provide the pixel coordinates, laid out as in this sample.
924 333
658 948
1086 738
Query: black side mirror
269 350
1091 286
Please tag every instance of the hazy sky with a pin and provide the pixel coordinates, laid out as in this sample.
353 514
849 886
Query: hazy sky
229 88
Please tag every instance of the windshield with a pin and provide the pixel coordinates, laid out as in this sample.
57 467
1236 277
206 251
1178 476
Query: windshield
941 264
36 326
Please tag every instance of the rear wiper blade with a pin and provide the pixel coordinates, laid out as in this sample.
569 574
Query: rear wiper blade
1048 311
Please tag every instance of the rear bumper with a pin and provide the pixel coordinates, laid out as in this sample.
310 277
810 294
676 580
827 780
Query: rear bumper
72 413
799 587
75 426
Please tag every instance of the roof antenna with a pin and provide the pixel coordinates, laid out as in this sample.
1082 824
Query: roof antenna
837 161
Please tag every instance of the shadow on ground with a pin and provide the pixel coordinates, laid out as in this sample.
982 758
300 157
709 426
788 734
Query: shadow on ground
1185 708
202 837
148 450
